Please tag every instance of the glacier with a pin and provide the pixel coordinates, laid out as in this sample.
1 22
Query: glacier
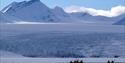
50 40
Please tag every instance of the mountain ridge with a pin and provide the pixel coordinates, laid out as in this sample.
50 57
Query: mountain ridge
36 11
22 10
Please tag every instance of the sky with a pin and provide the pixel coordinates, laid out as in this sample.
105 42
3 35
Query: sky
96 4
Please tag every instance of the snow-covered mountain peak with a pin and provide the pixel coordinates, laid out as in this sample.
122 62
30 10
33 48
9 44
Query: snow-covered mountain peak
32 10
19 5
9 6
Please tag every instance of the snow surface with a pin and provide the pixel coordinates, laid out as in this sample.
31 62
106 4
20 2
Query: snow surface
9 57
59 60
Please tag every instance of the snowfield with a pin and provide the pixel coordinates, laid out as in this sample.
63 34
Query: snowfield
9 57
59 60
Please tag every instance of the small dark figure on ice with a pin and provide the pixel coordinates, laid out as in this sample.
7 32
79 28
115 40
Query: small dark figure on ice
76 61
71 62
110 61
81 61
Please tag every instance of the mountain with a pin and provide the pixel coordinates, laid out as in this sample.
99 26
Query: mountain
120 22
85 17
32 10
36 11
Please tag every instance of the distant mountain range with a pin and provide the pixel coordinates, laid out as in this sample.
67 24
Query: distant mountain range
97 19
36 11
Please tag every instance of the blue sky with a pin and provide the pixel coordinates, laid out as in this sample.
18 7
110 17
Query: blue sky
97 4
